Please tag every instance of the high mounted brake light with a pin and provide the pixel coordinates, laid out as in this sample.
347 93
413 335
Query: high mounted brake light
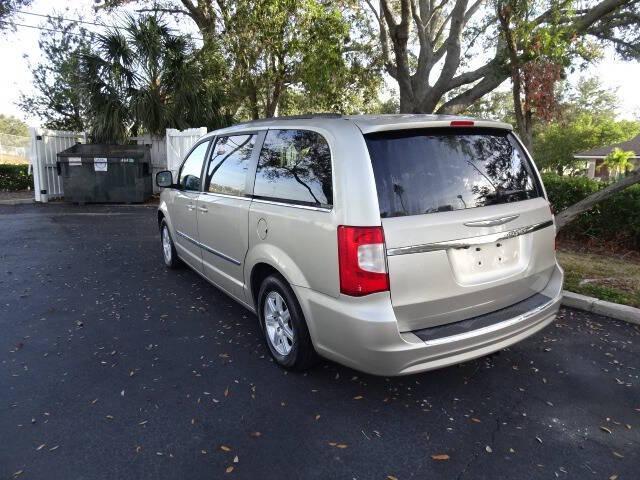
362 260
462 123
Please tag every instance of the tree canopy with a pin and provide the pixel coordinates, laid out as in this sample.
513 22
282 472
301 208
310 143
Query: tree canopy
56 98
11 125
586 119
446 55
8 8
284 55
145 78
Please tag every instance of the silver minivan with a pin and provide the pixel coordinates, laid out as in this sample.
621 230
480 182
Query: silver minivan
392 244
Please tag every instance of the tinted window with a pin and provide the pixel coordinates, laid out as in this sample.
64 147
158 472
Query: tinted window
295 165
426 171
191 170
230 158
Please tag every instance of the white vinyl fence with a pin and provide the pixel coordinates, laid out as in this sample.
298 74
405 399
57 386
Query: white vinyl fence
168 152
45 145
179 142
14 148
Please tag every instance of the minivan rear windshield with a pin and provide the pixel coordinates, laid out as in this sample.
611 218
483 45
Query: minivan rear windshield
444 169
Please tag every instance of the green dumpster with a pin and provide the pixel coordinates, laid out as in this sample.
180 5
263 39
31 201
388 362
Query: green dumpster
96 173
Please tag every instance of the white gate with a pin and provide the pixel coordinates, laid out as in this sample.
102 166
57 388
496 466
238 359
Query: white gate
45 145
167 153
158 153
179 142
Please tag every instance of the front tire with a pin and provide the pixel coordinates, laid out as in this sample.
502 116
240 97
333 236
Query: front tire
169 254
284 326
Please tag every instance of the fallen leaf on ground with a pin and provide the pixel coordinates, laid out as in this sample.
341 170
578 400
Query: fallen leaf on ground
229 469
358 397
440 457
605 429
224 448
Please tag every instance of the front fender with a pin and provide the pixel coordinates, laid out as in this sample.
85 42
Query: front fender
164 210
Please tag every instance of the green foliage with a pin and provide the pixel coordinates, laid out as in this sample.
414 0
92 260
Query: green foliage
8 8
557 142
280 57
497 105
14 177
616 218
618 161
588 95
13 126
57 100
144 78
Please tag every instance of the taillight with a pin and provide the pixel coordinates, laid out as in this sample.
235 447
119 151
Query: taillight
462 123
362 260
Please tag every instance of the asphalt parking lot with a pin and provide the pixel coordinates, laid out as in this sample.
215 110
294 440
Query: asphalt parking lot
113 367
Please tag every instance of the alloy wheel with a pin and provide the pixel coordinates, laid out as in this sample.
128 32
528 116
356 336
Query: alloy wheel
278 325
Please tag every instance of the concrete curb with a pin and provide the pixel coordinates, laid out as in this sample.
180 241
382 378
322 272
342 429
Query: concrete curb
17 201
601 307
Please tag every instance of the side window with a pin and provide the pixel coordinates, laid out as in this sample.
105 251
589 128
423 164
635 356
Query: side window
189 178
295 166
230 158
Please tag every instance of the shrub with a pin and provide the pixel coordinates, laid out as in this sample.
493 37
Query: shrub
616 218
14 177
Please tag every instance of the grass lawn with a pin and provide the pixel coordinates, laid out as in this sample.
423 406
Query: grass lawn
13 159
606 277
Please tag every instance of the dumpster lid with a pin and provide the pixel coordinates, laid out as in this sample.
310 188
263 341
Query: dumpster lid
104 150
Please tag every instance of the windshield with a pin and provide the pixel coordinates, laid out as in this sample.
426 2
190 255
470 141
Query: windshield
439 170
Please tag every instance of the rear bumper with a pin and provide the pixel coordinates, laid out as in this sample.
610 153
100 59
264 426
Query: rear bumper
362 333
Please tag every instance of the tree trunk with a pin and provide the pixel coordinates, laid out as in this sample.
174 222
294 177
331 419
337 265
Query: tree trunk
526 130
253 103
570 213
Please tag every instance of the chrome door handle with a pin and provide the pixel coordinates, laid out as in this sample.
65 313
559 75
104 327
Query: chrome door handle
190 206
203 209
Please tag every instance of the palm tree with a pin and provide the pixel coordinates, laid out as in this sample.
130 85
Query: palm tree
143 78
618 162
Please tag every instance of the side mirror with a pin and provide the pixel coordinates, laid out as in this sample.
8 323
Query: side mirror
164 179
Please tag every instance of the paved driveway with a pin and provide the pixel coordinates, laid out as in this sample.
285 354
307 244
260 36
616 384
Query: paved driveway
113 367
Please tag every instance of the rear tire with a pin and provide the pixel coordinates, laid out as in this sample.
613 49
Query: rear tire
169 254
283 325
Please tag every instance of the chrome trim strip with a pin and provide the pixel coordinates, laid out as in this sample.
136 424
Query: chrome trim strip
492 221
208 249
282 204
215 194
468 242
492 328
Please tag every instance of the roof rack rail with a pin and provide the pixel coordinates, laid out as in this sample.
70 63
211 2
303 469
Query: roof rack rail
294 117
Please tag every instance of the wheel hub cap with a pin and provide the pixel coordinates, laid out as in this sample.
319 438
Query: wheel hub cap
166 244
278 323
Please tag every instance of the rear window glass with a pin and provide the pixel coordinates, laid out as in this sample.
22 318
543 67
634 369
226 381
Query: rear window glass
439 170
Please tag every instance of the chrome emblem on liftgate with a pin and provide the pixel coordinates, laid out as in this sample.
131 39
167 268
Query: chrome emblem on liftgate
491 222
